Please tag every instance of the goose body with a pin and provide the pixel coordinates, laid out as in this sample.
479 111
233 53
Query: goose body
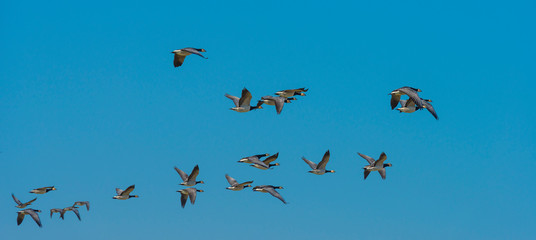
188 193
375 165
125 194
43 190
189 180
180 54
55 210
320 168
235 186
29 211
412 94
270 189
73 209
278 102
82 203
292 92
242 103
20 204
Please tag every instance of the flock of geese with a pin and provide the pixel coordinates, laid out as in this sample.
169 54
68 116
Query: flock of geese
243 104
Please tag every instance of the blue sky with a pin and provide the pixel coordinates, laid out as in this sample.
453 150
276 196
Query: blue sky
90 101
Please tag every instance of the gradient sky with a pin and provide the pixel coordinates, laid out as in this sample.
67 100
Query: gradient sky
90 101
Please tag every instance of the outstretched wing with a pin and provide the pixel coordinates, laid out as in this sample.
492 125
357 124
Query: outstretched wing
178 60
270 159
430 108
16 200
235 99
310 163
369 159
194 173
193 51
382 173
367 172
395 98
34 216
192 193
118 191
413 95
275 194
245 98
322 164
128 190
183 175
77 213
231 180
380 161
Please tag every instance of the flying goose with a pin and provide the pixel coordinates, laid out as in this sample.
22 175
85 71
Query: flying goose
74 209
408 106
43 190
377 165
180 54
270 189
31 212
251 159
266 164
20 204
124 195
82 203
55 210
189 180
321 167
242 103
235 186
188 192
277 101
292 92
412 94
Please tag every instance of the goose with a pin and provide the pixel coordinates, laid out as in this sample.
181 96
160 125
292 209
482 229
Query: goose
20 204
43 190
270 189
74 209
277 101
189 180
411 92
235 186
292 92
377 165
319 169
266 164
242 103
188 192
251 159
82 203
408 106
32 213
124 195
180 54
55 210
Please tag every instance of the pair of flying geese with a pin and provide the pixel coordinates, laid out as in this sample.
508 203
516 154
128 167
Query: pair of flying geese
242 103
413 103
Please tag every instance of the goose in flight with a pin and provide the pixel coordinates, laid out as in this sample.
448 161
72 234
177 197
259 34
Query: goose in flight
277 101
43 190
82 203
55 210
20 204
270 189
321 167
180 54
73 209
124 195
375 165
267 163
188 192
292 92
242 103
235 186
189 180
412 94
32 213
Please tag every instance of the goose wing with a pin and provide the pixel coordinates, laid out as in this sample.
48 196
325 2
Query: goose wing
194 173
274 193
192 193
183 175
382 173
118 191
369 159
184 198
16 200
395 98
430 108
236 100
34 216
77 213
20 218
193 51
31 201
322 164
381 159
367 172
245 98
270 159
178 60
411 94
310 163
128 190
258 162
245 183
231 180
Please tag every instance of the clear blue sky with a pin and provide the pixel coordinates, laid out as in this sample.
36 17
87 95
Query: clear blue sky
90 101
